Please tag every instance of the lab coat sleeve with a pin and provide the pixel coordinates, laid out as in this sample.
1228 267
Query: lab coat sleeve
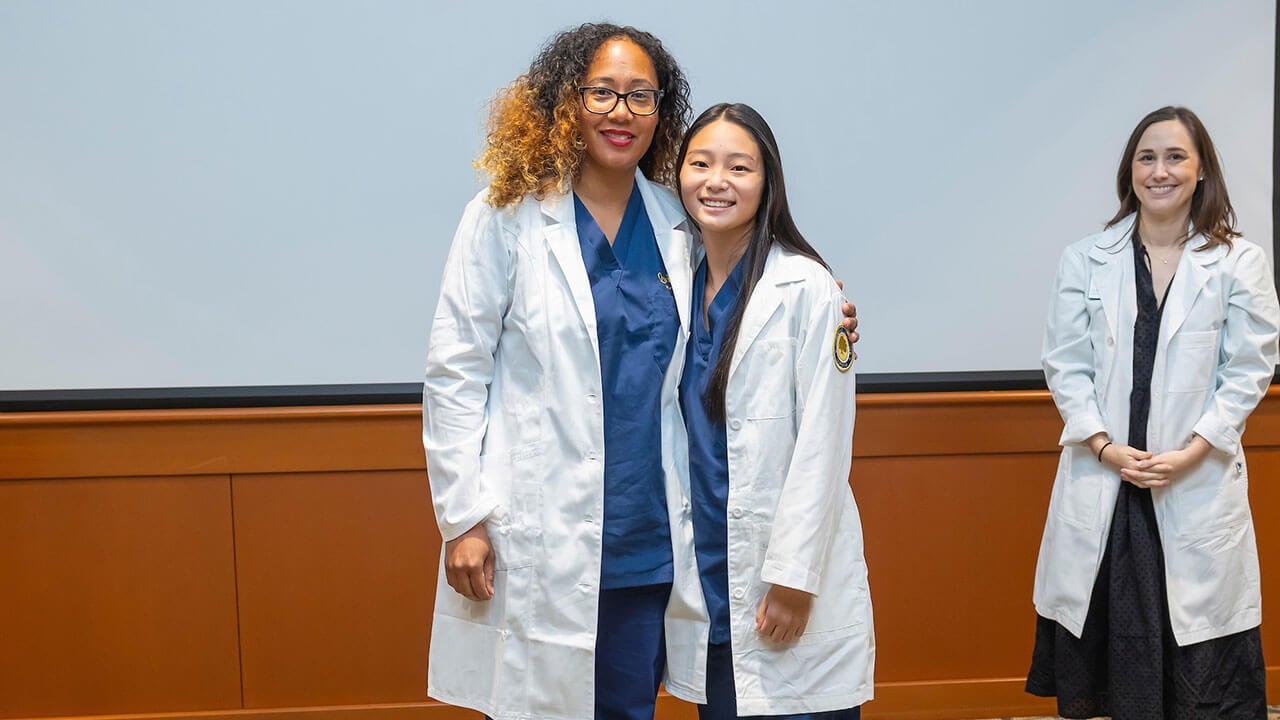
1067 354
1247 358
805 522
474 296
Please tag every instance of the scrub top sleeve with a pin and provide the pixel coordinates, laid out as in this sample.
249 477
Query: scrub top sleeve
1248 353
1067 352
475 293
805 522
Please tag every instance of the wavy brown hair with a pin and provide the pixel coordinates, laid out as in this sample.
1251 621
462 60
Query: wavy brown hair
534 145
1211 211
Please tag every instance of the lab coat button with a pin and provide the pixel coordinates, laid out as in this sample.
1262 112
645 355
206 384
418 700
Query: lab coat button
737 512
735 424
738 593
1111 341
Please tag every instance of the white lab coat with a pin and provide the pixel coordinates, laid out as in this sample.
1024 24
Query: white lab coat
1215 358
792 519
514 436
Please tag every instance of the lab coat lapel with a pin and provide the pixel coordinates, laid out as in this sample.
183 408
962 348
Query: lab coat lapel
765 301
1112 260
671 230
1188 281
562 237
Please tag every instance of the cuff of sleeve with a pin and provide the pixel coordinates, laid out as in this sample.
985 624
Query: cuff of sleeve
1081 428
792 576
458 524
1219 434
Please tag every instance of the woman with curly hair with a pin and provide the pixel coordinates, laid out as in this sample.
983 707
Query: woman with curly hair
549 402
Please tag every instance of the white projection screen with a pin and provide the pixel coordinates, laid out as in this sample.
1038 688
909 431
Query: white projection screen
250 193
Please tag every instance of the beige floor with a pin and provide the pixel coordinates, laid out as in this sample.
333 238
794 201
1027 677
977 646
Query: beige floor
1272 714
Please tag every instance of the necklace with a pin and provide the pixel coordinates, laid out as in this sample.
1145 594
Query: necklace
1164 258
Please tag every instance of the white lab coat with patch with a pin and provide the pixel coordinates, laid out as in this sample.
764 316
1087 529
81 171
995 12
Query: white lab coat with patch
792 519
1215 358
514 436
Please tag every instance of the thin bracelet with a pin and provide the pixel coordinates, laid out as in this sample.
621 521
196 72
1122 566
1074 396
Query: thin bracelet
1104 447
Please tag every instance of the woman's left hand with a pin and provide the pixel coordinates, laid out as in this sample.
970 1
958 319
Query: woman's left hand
1162 469
783 614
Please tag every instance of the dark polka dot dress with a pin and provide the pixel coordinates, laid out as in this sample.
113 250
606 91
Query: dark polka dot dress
1126 664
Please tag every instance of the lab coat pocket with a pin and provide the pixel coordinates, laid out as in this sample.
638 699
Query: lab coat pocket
770 442
470 678
767 368
1078 488
1213 557
1192 359
515 526
839 609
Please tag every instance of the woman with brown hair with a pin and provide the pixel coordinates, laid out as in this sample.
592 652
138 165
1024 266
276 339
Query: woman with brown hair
1160 342
550 406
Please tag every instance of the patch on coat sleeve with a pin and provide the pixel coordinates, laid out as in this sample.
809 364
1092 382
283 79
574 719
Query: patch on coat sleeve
842 350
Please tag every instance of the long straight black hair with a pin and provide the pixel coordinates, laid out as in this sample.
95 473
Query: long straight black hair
772 225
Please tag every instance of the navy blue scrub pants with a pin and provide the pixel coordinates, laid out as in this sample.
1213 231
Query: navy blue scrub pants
722 703
631 651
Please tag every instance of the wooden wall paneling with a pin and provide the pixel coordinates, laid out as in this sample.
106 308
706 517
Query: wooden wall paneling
951 546
337 548
118 596
193 442
337 582
1264 499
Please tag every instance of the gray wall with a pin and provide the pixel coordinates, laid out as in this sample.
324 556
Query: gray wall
262 193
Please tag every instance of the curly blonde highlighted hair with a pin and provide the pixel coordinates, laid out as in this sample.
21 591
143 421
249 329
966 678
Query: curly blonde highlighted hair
534 145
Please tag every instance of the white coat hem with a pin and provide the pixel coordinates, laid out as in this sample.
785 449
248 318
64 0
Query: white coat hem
1073 626
685 692
761 705
1244 620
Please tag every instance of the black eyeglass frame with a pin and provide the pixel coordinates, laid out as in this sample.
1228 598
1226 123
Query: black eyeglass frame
621 97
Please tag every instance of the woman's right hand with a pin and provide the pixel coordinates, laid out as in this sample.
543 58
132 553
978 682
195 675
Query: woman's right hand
468 564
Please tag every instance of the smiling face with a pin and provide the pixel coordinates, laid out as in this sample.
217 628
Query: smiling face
616 141
722 180
1166 169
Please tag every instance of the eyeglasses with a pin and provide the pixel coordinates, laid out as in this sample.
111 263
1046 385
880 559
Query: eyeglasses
602 100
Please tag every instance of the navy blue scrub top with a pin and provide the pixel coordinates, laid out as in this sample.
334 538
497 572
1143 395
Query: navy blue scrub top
636 324
708 447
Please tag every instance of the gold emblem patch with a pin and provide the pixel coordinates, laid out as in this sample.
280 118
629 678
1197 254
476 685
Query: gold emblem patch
842 350
666 281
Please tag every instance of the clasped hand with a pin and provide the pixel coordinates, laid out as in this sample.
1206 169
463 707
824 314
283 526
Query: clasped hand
1145 470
